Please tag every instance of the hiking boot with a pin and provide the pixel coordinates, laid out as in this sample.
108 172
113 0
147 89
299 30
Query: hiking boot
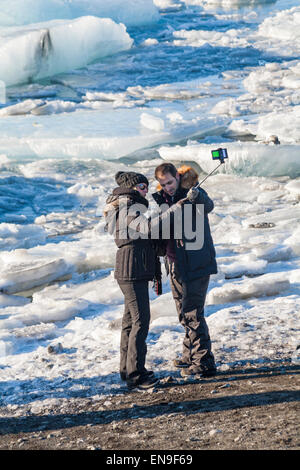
149 373
143 383
192 370
123 376
180 363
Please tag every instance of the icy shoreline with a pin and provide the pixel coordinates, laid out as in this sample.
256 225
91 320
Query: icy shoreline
252 305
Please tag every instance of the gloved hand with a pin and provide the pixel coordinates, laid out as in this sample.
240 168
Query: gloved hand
157 286
193 194
179 204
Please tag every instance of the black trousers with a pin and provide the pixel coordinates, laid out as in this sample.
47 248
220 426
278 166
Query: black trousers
135 327
190 299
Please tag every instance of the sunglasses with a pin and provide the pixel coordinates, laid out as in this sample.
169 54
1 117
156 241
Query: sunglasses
142 186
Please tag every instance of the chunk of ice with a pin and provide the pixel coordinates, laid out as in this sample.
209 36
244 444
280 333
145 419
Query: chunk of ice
266 285
44 49
21 278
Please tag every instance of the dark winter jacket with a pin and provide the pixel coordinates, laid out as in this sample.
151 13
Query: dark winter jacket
192 263
136 258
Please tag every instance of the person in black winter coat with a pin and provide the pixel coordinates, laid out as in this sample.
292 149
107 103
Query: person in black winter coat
137 263
190 267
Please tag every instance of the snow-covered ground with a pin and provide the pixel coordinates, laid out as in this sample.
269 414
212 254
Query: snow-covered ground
252 307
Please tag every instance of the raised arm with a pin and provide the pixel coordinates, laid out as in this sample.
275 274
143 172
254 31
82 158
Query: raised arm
200 196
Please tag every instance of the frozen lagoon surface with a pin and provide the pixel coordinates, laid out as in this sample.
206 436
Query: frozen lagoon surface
183 78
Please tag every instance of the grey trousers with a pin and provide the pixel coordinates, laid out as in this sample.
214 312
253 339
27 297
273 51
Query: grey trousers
135 327
190 299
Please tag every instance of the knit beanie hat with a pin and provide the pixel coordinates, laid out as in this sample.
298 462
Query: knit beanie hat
129 179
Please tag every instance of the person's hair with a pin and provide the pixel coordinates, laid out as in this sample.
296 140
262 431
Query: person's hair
188 176
165 168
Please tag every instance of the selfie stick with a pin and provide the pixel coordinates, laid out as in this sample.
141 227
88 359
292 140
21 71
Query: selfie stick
219 154
199 184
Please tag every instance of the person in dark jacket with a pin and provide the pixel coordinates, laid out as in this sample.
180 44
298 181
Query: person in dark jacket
190 268
136 265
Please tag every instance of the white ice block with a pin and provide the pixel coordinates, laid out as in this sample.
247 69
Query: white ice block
22 278
44 49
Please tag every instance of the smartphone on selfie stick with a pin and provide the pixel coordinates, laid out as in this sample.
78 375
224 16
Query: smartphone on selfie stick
218 154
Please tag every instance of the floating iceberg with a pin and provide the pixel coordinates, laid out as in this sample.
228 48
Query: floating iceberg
131 12
246 158
41 50
21 278
102 133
